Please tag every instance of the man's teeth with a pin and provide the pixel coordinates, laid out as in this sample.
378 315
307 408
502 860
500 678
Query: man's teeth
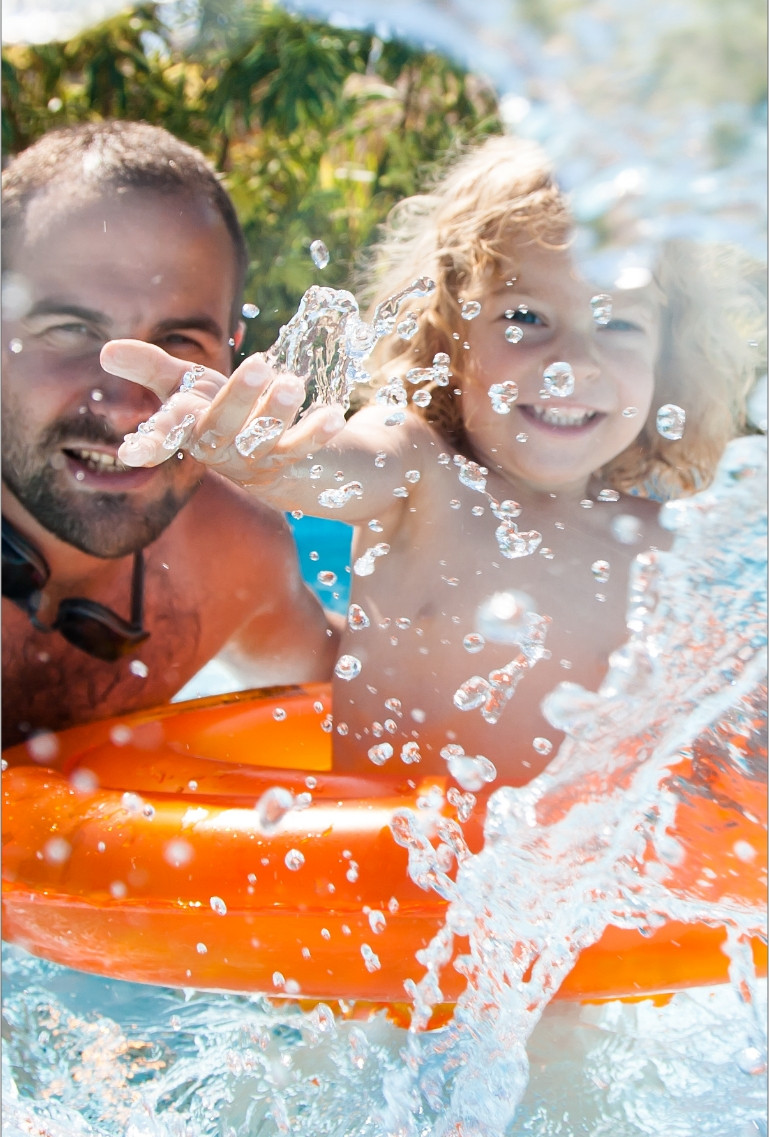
562 416
98 460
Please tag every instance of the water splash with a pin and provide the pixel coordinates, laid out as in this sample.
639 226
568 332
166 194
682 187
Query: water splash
586 844
326 342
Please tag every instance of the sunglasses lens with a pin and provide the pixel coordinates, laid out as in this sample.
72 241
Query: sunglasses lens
94 629
22 574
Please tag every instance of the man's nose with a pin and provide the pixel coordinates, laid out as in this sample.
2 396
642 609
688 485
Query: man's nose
123 402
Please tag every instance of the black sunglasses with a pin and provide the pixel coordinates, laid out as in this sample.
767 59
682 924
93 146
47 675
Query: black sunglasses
83 623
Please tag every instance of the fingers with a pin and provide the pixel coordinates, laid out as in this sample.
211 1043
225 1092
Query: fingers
234 424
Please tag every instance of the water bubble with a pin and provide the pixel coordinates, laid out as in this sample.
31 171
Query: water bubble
601 305
471 773
470 309
522 437
513 334
178 434
402 622
320 254
408 327
600 570
218 905
473 642
16 346
357 618
118 889
380 753
337 499
671 420
421 398
542 745
364 565
258 431
377 921
293 859
630 412
472 694
96 395
626 529
201 949
608 495
502 617
42 747
395 418
148 426
136 667
327 578
502 396
347 667
250 311
558 380
190 377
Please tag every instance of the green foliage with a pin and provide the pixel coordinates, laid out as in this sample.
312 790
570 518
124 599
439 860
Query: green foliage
318 130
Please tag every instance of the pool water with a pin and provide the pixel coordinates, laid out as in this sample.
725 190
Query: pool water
102 1058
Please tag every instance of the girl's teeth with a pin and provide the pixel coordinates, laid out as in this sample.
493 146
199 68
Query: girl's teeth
562 416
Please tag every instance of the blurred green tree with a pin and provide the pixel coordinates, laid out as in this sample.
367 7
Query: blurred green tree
318 130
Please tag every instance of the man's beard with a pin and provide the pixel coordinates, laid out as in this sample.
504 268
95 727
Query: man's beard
108 525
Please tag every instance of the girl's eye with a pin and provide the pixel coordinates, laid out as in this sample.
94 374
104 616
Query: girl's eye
620 326
523 315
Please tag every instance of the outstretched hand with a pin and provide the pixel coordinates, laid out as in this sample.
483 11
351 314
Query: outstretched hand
243 426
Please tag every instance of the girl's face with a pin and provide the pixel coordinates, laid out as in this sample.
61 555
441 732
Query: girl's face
582 365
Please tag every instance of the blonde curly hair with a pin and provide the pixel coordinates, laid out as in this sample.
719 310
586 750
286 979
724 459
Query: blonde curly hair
461 234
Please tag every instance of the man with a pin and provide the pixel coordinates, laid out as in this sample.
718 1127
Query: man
119 584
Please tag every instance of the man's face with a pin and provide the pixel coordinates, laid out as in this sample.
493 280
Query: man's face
131 265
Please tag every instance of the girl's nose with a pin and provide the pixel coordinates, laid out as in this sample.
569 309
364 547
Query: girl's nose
579 350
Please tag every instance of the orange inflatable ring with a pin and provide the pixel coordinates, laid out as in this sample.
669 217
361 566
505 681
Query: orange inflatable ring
141 856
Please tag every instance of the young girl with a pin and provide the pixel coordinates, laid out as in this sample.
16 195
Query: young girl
497 513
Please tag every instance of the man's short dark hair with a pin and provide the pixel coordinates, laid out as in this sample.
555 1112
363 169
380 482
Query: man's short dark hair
92 157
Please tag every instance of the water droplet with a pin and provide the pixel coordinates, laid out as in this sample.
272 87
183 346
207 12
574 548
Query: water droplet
600 570
472 694
327 578
190 377
558 380
336 499
218 906
96 395
744 851
380 753
608 495
502 396
279 714
471 309
522 437
471 773
502 617
393 394
57 850
671 420
421 398
402 622
395 418
148 426
273 806
178 434
626 529
542 745
548 554
178 852
347 667
630 412
136 667
320 254
370 958
293 859
42 747
513 334
250 311
258 431
412 476
408 327
364 565
514 544
16 346
118 889
410 753
473 642
601 305
201 949
377 921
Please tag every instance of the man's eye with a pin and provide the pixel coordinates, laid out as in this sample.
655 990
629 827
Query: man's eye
522 315
69 335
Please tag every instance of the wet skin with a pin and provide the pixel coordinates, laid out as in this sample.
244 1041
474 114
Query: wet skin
444 561
160 270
